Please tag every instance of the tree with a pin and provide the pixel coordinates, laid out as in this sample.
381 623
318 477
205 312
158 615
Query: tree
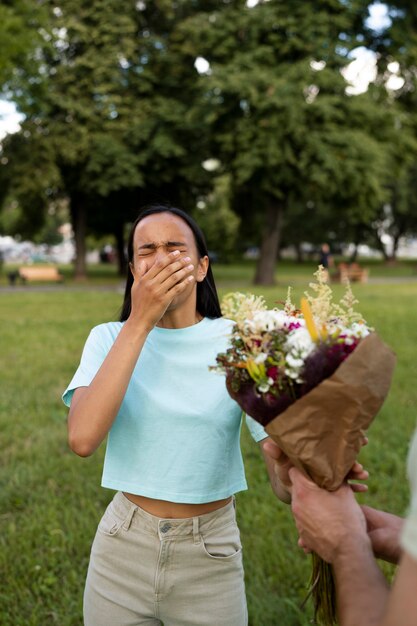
29 182
20 21
280 119
218 221
395 46
111 99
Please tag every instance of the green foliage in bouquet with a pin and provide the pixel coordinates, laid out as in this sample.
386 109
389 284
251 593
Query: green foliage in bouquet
277 356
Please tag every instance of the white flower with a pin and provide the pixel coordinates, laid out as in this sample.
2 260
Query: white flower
298 346
261 358
354 331
292 374
263 321
264 388
299 342
359 330
293 362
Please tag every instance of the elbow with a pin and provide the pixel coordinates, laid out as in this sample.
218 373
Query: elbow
80 446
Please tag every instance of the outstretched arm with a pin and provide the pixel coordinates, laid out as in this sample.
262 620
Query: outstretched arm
401 609
333 525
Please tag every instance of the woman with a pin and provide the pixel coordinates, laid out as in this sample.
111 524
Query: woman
167 549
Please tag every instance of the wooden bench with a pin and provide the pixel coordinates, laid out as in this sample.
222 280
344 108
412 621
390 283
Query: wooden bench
352 272
38 273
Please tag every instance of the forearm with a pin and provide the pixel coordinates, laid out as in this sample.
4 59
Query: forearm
361 588
401 608
94 409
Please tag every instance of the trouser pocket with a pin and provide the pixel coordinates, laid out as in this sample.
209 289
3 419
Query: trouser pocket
224 543
112 521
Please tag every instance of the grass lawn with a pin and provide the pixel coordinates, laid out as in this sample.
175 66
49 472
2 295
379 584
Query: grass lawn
51 501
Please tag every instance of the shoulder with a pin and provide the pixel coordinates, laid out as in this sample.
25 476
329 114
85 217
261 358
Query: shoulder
218 326
105 333
220 323
218 332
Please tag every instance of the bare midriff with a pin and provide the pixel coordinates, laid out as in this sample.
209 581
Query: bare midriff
175 510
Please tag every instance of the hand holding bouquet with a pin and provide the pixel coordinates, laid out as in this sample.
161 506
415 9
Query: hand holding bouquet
315 377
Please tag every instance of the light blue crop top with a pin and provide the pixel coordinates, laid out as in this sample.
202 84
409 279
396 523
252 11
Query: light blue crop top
177 434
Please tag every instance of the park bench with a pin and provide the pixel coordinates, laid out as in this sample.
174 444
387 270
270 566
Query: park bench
30 274
352 272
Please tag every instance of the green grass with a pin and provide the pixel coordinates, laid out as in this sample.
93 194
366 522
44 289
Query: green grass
51 501
238 274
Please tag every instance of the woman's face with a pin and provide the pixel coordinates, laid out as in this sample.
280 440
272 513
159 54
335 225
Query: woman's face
159 234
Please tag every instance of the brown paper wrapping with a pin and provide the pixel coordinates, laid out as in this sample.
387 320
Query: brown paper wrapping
322 432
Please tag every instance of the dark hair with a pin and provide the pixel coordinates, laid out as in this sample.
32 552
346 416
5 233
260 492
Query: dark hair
207 299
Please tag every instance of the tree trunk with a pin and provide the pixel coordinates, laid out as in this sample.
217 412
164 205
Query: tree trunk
79 226
298 252
354 255
381 247
271 237
393 256
120 245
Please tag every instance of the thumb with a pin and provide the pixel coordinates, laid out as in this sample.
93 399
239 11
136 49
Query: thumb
139 270
273 450
374 517
298 478
142 268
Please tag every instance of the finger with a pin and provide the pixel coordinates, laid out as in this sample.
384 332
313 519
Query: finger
374 517
273 450
298 478
358 472
179 287
142 268
358 487
177 276
363 475
166 275
165 262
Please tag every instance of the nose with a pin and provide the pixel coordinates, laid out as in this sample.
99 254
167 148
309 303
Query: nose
161 253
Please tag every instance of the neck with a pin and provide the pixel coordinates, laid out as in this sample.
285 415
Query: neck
177 319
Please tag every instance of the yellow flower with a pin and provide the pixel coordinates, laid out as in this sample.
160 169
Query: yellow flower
309 320
256 370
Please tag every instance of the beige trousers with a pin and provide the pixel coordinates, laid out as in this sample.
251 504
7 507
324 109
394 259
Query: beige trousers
175 572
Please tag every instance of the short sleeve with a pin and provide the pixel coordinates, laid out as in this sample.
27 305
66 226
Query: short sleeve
92 357
409 533
256 430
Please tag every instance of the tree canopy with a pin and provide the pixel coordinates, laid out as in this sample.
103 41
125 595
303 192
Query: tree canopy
116 115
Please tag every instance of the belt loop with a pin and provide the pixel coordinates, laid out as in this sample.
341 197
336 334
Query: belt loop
128 520
196 534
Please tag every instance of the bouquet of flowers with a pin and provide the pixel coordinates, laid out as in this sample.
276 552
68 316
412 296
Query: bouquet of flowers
315 378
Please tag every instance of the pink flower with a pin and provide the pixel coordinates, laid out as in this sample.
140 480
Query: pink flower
272 372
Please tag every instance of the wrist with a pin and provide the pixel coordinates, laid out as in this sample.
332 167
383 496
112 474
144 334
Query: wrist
136 330
354 547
